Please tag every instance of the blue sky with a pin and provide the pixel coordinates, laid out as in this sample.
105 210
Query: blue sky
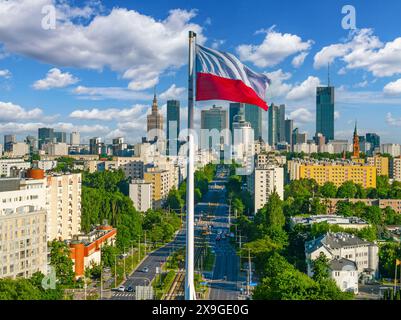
95 72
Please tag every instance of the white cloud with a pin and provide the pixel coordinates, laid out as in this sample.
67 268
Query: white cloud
55 79
32 127
13 112
173 93
278 88
391 121
362 84
364 50
305 90
274 49
114 93
216 44
302 115
5 74
122 40
110 114
393 88
299 59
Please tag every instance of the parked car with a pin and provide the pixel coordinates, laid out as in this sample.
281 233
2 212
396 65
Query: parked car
145 270
121 288
130 289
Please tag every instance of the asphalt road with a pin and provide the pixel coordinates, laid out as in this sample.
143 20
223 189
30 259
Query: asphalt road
225 280
152 261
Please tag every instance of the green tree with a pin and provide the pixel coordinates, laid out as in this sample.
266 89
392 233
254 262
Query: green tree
271 215
174 200
318 207
320 268
328 190
347 190
60 260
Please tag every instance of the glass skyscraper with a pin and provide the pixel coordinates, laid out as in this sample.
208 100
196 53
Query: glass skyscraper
45 135
253 115
325 112
276 124
173 125
214 118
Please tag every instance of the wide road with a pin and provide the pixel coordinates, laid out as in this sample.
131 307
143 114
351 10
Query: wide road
153 260
225 280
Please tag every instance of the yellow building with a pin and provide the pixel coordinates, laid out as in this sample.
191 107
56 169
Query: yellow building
337 172
382 164
160 180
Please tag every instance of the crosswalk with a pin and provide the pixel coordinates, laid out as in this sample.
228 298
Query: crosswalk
128 295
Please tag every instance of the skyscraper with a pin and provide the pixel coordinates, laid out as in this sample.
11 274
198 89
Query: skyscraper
155 120
325 112
289 127
173 126
276 124
32 142
60 136
214 118
9 139
374 140
45 135
253 115
95 145
75 138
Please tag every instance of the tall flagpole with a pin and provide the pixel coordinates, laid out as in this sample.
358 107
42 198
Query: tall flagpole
189 259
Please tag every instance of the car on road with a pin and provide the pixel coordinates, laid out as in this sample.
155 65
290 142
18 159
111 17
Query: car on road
219 231
121 288
130 289
223 236
218 238
145 269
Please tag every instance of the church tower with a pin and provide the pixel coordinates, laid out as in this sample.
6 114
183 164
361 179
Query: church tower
356 144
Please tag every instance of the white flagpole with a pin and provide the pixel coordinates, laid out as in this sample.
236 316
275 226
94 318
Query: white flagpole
189 260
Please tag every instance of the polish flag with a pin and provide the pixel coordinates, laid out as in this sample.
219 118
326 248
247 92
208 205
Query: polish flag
221 76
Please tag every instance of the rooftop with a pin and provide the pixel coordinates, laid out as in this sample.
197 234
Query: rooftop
335 241
342 264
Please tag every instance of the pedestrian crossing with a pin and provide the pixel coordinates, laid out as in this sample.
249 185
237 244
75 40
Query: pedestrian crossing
129 295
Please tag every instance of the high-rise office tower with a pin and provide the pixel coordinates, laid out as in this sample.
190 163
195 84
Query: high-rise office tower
75 138
325 112
60 136
374 140
253 115
32 142
289 127
155 120
173 126
9 139
45 135
276 124
214 118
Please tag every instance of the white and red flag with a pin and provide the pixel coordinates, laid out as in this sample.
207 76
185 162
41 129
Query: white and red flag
221 76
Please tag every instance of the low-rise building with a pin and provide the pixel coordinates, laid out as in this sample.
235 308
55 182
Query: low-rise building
343 222
344 245
7 164
394 204
86 249
345 274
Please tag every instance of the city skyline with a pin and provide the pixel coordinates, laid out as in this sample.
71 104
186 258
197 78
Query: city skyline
102 96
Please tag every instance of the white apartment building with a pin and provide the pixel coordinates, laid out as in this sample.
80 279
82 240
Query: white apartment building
133 167
343 245
19 149
307 148
391 148
63 201
75 138
23 242
141 194
264 181
7 164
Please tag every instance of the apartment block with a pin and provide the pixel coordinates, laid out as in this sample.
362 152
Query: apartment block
7 164
337 172
141 194
263 182
160 180
64 205
23 241
382 164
